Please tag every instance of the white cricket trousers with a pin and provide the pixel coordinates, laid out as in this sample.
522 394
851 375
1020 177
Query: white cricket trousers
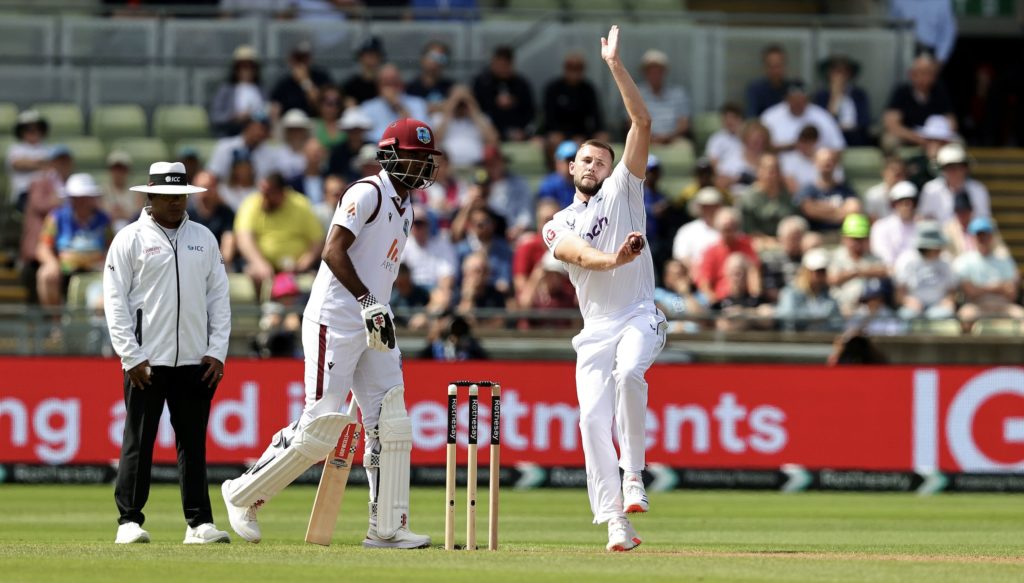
613 354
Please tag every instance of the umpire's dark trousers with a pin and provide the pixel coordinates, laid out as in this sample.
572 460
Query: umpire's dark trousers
188 399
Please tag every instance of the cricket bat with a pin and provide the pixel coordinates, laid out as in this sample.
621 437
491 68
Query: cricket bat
333 481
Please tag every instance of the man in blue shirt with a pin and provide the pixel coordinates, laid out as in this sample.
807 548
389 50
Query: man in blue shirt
771 89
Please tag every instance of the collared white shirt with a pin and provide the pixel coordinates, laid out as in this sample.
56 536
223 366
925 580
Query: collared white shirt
936 200
722 145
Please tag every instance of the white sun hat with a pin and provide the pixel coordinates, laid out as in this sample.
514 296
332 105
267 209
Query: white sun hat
295 119
82 185
167 178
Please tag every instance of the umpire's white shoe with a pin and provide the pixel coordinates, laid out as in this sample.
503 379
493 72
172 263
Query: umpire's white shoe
131 532
621 535
634 495
205 533
403 539
242 519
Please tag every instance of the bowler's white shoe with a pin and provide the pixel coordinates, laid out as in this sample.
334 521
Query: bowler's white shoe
634 495
403 539
205 533
621 535
242 519
131 532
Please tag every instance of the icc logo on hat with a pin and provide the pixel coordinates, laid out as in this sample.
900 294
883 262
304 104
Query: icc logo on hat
423 134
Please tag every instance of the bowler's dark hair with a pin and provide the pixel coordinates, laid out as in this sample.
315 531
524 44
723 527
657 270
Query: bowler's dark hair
600 144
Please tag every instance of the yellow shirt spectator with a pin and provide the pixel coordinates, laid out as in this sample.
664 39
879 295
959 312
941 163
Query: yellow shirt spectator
283 234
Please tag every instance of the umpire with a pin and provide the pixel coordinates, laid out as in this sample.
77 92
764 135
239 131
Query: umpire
165 292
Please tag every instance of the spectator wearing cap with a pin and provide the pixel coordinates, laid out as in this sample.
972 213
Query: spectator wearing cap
873 315
877 200
508 194
939 195
852 264
911 104
277 231
989 280
121 204
781 263
463 130
45 194
767 203
547 288
327 127
431 83
807 304
827 202
895 234
925 282
571 108
354 124
74 239
296 128
711 276
669 104
725 142
240 183
362 85
797 165
738 170
240 96
530 247
936 133
27 157
558 185
784 120
207 209
843 99
506 96
251 144
694 238
391 104
770 89
955 231
300 87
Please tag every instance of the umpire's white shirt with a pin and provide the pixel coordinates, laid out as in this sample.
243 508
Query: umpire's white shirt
166 299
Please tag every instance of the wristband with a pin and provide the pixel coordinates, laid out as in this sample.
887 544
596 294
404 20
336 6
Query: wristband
366 300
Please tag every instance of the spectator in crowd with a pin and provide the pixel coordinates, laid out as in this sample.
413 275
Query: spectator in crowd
938 196
508 194
240 96
712 275
505 96
462 129
29 155
311 181
694 238
251 144
767 203
895 234
989 281
854 348
936 133
877 199
277 231
873 316
911 104
300 88
771 89
925 282
189 158
74 239
362 86
738 170
659 232
558 186
827 202
45 194
482 237
739 307
797 165
571 108
725 142
780 264
934 25
844 100
240 183
431 84
121 204
327 127
451 339
669 104
445 196
703 176
207 209
784 120
354 123
406 296
391 103
678 297
852 264
366 163
296 126
334 188
807 304
477 291
530 247
431 258
547 288
958 239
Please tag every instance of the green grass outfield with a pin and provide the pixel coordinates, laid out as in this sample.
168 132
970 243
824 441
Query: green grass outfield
66 533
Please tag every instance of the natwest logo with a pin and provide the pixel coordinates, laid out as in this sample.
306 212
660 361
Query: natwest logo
597 228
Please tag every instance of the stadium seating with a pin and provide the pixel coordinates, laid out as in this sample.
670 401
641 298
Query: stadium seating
936 327
65 119
863 162
144 150
525 157
8 114
88 152
996 327
172 123
110 122
704 124
676 159
78 288
202 145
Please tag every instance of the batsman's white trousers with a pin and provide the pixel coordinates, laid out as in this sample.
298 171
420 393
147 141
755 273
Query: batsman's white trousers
613 354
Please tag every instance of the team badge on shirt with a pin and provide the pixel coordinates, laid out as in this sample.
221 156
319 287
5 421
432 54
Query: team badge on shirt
405 227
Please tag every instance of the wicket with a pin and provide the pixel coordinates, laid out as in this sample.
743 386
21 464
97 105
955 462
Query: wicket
471 464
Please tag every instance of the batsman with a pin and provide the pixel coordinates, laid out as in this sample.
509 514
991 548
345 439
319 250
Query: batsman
348 337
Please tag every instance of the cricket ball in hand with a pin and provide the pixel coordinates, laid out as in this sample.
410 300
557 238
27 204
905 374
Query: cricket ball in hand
636 243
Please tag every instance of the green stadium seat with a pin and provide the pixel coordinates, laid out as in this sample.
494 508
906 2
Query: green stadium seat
705 124
110 122
8 114
5 141
175 122
996 327
241 289
525 157
144 151
949 327
676 159
88 152
863 162
78 287
65 119
202 145
584 6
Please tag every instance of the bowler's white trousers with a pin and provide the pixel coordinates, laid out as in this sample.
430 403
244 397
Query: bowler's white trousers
613 354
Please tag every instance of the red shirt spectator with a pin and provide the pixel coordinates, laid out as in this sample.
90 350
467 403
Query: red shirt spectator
711 273
530 249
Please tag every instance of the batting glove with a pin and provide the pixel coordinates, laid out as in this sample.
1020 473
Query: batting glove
380 330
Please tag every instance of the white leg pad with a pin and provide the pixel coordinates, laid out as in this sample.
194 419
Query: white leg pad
309 445
394 430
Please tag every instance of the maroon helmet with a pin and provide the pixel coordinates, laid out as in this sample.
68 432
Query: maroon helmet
400 138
